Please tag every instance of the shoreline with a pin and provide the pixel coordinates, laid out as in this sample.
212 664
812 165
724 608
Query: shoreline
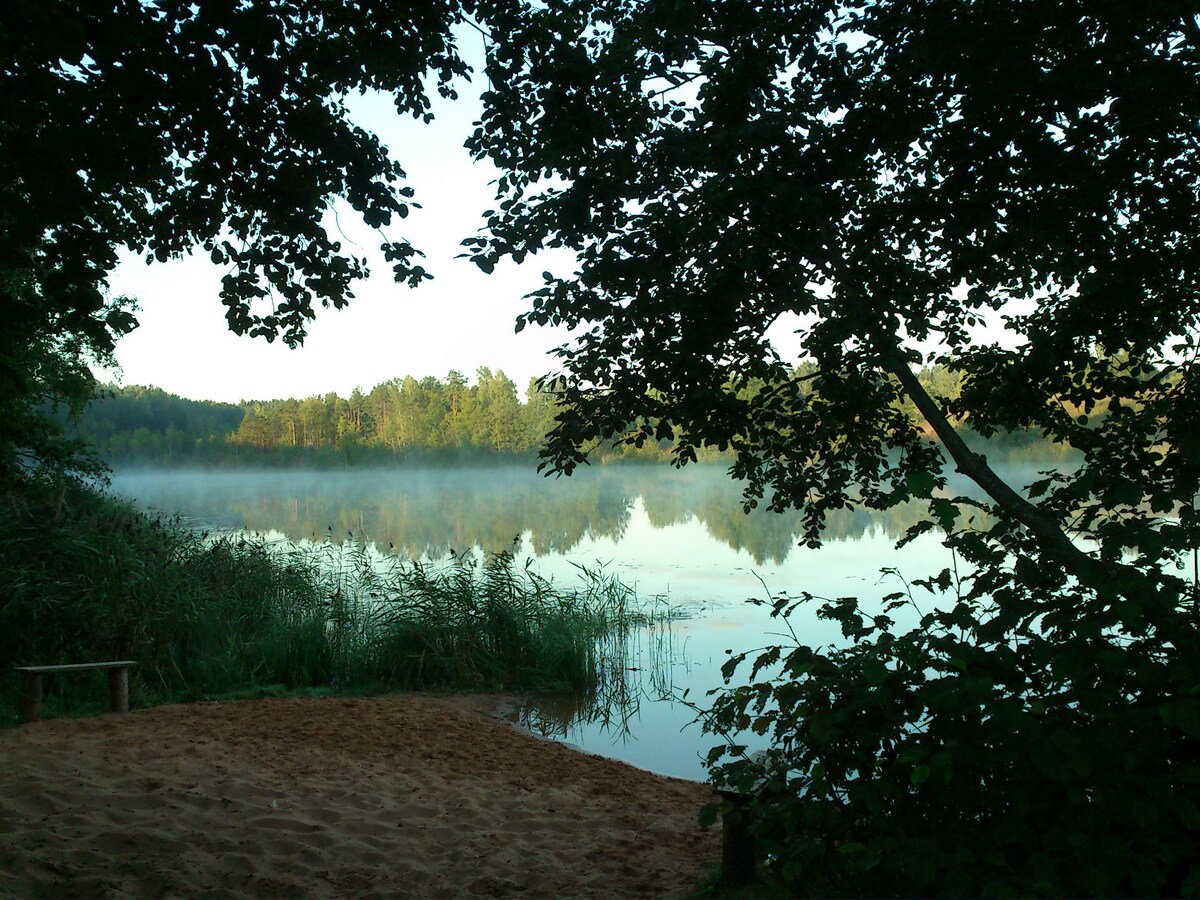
500 706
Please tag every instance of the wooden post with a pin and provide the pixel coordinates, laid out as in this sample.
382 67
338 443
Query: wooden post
739 853
737 840
31 697
118 689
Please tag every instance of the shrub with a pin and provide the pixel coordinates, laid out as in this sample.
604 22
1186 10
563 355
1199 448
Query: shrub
1015 742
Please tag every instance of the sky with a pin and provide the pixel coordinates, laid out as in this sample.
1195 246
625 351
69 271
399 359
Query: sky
462 319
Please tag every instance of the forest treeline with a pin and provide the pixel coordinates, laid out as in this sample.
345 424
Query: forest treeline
426 419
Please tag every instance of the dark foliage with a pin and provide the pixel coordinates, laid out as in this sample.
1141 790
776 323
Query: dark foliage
884 178
163 128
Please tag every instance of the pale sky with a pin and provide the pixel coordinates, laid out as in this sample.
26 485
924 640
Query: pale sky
461 320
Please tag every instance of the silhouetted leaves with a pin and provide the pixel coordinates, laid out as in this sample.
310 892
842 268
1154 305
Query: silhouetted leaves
165 127
886 178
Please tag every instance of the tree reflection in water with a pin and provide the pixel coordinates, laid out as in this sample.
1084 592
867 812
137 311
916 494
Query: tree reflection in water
430 512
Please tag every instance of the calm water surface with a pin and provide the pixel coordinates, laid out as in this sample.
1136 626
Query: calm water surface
676 534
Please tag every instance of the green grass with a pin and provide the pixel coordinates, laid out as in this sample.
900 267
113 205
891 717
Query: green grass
90 578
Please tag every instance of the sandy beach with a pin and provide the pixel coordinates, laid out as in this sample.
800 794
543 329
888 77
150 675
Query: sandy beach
399 796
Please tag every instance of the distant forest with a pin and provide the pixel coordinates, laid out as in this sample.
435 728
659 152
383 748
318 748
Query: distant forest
431 418
428 420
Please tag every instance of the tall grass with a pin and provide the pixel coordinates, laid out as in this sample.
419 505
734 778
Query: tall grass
86 577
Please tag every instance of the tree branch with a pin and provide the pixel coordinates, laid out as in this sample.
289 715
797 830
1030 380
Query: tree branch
1108 579
1191 25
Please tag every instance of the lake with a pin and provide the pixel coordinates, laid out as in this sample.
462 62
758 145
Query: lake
679 535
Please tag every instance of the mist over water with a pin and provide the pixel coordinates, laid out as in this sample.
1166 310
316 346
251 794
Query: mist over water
679 535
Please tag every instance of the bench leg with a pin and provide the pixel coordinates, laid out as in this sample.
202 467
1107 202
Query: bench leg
118 689
31 697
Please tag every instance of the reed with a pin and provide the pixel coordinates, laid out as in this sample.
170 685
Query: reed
88 577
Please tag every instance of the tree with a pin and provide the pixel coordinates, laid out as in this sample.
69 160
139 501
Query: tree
43 374
288 415
318 423
887 178
257 430
497 411
456 395
159 126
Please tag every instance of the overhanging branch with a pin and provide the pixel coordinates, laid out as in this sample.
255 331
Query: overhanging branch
1109 579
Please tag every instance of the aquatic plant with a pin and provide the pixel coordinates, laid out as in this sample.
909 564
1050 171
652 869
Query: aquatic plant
89 577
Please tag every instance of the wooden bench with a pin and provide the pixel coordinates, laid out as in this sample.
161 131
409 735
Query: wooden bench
31 685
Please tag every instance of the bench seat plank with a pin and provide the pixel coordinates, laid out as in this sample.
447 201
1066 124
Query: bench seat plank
79 667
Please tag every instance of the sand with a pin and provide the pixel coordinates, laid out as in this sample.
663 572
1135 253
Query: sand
398 796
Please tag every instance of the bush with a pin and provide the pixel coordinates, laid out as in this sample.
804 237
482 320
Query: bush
1015 742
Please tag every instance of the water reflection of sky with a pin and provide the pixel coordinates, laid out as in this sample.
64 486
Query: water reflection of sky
685 564
679 535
